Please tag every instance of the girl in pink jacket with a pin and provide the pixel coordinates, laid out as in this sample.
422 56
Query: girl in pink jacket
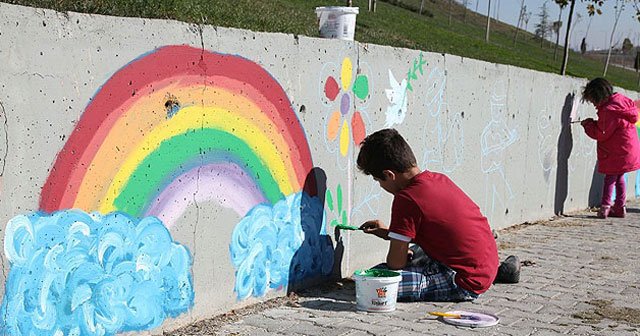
618 144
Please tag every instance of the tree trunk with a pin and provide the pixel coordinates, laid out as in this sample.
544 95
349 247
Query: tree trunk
619 10
565 59
555 50
349 3
606 63
464 16
450 1
486 38
515 37
421 6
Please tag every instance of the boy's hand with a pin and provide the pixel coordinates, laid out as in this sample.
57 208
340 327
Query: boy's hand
375 227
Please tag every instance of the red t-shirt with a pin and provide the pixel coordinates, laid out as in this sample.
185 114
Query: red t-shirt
448 225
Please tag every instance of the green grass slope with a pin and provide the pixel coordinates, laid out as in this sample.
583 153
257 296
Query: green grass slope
395 23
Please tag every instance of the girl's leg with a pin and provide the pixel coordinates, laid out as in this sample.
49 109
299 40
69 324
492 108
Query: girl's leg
621 192
607 189
618 209
607 192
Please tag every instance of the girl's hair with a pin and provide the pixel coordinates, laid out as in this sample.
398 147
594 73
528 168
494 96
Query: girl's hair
385 150
597 91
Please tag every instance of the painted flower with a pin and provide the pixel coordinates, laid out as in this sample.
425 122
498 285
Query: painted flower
345 123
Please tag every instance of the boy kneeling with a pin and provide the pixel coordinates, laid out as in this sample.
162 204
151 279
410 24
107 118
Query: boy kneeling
456 257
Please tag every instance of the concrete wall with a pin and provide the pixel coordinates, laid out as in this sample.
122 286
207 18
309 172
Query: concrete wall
208 166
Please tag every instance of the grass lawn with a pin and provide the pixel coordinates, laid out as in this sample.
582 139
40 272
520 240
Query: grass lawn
396 23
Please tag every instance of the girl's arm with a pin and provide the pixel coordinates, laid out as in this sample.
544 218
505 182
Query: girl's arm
601 129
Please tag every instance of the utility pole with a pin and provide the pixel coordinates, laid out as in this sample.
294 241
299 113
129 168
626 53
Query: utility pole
486 38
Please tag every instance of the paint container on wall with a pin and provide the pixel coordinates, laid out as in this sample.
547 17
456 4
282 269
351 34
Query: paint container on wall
377 290
337 22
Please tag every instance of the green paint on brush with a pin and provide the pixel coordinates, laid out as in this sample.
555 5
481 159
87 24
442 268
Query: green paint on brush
346 227
377 273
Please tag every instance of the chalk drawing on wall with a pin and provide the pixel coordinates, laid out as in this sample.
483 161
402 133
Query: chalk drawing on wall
585 151
179 126
444 140
496 137
368 199
74 273
546 144
345 91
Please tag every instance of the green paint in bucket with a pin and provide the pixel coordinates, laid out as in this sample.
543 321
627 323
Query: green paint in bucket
377 273
377 289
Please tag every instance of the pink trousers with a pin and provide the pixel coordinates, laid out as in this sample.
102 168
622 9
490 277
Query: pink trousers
617 181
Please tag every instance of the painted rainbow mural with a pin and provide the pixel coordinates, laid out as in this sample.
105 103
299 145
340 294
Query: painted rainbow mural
181 121
176 126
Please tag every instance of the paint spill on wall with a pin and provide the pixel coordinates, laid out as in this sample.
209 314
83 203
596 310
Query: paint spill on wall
74 273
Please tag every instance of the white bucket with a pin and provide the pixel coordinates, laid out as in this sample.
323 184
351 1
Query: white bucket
377 290
337 22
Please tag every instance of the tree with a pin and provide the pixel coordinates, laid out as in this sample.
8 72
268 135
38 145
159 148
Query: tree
619 7
523 10
556 28
543 25
465 3
591 8
450 3
583 46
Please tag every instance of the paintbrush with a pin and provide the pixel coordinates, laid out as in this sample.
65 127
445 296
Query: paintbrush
347 227
455 316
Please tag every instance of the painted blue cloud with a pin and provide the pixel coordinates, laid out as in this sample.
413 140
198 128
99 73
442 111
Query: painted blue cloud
74 273
272 241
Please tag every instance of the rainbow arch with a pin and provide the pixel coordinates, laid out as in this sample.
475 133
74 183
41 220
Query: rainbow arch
179 125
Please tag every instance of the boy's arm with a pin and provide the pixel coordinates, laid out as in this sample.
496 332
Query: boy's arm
397 255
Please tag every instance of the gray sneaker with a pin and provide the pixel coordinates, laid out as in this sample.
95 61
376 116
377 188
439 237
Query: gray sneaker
509 270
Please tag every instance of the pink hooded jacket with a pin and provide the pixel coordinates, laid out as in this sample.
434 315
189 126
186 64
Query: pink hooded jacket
615 131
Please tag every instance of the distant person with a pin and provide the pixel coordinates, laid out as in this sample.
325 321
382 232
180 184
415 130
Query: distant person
456 258
618 146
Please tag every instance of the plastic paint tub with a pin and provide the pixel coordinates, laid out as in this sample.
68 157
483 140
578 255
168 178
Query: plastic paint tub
337 22
377 290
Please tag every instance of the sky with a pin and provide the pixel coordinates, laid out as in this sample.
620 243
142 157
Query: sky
599 31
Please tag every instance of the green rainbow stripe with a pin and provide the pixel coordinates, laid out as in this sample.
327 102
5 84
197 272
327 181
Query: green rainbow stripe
158 168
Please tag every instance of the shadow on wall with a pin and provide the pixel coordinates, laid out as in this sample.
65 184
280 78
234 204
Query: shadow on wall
313 261
595 192
565 146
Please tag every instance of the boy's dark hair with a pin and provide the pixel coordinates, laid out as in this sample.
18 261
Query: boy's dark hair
385 150
597 90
